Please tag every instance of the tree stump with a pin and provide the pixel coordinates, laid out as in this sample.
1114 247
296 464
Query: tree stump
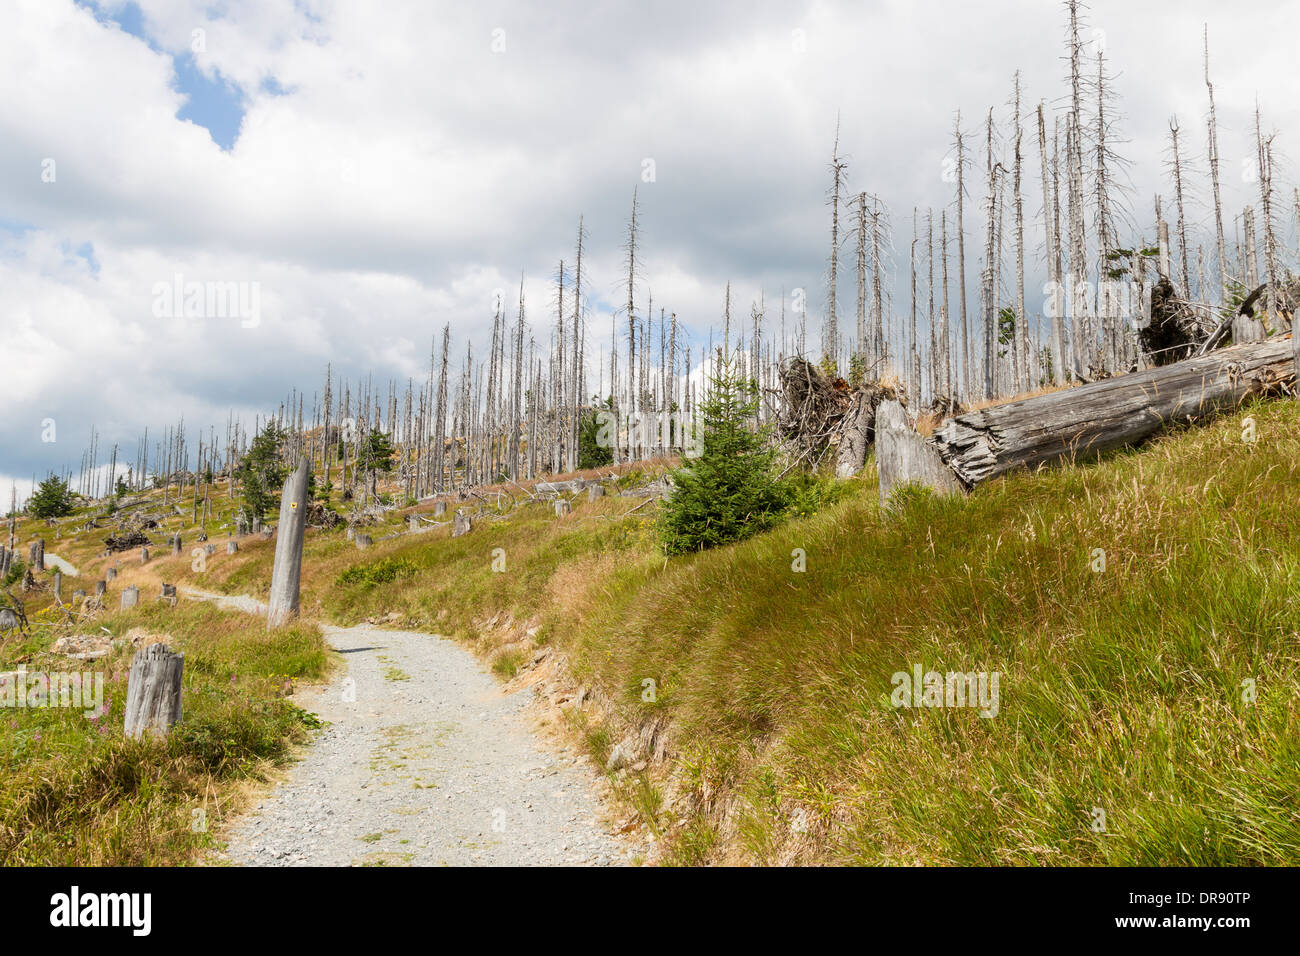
176 544
58 585
363 541
144 555
595 491
904 457
78 595
439 509
413 524
101 587
232 547
37 555
461 524
210 549
287 571
562 508
110 574
153 691
130 597
351 533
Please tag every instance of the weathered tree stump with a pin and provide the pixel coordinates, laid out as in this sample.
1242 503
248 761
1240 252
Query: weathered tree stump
58 585
595 491
37 555
168 594
78 595
232 547
439 509
562 508
176 544
8 620
287 571
351 533
110 574
903 457
461 524
413 524
363 541
153 691
130 597
209 550
101 587
144 555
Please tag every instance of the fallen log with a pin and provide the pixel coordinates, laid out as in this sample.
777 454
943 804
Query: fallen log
1112 413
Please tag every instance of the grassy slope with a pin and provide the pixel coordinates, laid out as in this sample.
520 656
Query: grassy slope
76 790
1120 690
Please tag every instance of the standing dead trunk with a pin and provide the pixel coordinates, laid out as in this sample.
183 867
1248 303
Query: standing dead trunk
153 694
287 571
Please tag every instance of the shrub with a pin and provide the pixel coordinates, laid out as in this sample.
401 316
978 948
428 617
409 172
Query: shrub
730 491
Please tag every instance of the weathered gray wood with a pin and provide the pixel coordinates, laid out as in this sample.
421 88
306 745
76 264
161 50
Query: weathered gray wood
153 691
439 509
287 572
8 620
78 595
232 547
413 523
144 555
110 574
58 585
36 555
904 457
101 587
857 429
461 524
364 541
562 508
595 491
176 544
1100 416
130 597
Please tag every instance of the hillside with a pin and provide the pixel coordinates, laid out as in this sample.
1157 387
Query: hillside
743 707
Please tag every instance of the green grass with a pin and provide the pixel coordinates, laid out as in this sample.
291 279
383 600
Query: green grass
78 792
1121 691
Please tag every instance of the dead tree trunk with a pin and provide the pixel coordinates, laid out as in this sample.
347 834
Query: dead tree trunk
1114 412
287 571
153 694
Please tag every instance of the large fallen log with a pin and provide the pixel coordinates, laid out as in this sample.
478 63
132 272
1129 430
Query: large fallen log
1095 418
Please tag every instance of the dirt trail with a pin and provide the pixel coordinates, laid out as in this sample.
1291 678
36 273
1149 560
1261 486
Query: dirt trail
424 761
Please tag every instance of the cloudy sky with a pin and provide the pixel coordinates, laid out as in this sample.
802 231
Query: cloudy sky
373 170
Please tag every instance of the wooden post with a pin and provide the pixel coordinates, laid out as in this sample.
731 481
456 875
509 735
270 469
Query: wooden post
144 555
58 585
153 692
287 572
110 574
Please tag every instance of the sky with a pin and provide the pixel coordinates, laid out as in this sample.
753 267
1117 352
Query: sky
343 178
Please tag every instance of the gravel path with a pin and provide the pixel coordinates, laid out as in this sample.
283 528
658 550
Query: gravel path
424 761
